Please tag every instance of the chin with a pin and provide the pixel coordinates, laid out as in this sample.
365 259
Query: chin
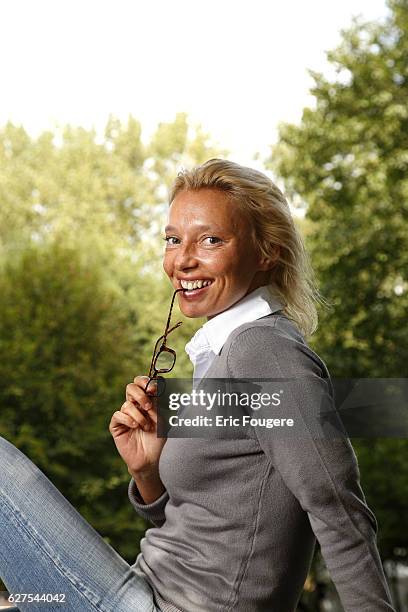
193 313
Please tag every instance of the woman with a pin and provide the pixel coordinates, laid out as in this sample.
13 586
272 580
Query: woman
235 520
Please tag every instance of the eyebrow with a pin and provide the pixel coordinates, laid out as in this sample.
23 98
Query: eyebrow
172 228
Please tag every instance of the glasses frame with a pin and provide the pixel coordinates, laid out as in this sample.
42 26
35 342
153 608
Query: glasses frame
161 347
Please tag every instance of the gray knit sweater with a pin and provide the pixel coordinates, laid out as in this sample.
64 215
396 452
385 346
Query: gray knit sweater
236 527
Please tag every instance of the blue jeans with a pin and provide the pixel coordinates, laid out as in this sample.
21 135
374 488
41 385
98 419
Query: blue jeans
46 546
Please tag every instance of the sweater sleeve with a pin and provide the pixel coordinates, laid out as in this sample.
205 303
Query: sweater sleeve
322 473
153 512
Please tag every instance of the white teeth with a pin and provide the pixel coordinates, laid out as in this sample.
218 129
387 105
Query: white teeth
197 284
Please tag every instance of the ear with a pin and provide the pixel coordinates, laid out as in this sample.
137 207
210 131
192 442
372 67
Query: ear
267 263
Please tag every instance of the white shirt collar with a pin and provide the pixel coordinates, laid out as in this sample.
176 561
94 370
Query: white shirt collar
211 337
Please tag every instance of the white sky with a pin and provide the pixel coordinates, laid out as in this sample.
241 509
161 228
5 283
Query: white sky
236 67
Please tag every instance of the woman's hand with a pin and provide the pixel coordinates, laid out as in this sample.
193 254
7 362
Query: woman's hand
134 429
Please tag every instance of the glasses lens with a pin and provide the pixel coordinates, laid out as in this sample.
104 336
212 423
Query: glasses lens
164 361
156 386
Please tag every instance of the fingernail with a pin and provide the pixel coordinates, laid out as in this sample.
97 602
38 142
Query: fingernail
148 405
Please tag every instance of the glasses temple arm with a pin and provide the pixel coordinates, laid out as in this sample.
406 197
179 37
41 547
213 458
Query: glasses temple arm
167 330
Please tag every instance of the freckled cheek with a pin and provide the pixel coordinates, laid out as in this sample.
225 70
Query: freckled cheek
227 269
223 263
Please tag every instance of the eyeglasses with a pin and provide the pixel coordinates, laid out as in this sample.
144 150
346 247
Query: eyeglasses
163 359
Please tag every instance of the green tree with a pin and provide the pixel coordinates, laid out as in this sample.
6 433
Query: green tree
106 193
83 298
347 162
65 354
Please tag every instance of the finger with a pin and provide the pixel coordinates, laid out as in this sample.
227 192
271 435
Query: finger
120 419
137 395
152 387
153 415
130 409
138 379
142 381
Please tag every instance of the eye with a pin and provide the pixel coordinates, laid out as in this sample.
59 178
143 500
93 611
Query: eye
214 238
168 239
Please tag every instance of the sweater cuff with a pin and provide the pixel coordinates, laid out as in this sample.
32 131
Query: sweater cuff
153 512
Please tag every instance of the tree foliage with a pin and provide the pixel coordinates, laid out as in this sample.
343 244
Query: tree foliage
65 350
106 193
347 162
83 298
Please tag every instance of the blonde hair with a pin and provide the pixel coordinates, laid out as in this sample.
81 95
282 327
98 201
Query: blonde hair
292 276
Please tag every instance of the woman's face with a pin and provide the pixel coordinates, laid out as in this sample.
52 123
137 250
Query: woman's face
208 239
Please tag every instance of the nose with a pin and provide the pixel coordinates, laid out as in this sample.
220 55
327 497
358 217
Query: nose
186 257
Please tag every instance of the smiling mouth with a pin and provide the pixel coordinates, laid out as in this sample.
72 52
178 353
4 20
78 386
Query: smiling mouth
194 291
195 285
